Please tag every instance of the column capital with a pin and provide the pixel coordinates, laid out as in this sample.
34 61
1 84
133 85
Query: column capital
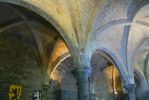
82 77
131 91
82 74
52 83
130 87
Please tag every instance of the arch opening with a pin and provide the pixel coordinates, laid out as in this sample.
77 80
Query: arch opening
106 80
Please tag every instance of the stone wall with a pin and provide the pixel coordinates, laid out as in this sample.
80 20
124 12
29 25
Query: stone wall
19 63
107 84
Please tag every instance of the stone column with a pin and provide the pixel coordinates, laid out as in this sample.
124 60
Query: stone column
131 91
53 85
82 76
45 88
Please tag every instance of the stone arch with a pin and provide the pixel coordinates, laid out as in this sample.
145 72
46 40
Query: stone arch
138 33
134 7
146 66
60 60
140 78
108 69
114 60
33 26
140 57
58 54
141 84
47 16
62 74
140 71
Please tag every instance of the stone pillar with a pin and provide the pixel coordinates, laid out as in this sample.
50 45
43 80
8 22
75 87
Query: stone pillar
82 76
53 85
131 91
45 88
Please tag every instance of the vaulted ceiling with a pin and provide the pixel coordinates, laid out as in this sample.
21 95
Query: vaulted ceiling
118 27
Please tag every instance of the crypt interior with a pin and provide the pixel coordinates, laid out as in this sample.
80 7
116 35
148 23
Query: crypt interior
74 49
